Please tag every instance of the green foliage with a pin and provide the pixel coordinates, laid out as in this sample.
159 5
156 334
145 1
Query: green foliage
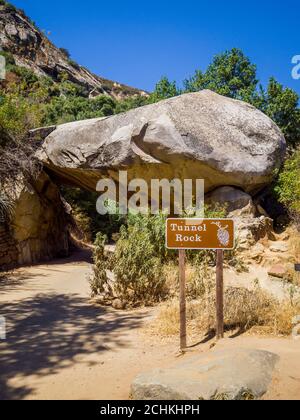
99 278
65 52
230 74
8 6
137 265
18 115
26 75
88 221
131 103
281 104
74 64
288 184
10 61
164 90
75 108
72 90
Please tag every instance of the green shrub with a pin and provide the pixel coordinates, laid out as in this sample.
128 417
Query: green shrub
9 7
71 107
99 278
74 64
137 267
65 52
18 115
27 75
10 61
288 185
88 220
131 103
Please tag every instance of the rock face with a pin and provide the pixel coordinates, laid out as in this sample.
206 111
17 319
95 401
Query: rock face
38 229
199 135
32 49
231 375
8 248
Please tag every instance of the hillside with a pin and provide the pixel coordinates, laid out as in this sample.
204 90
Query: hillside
31 48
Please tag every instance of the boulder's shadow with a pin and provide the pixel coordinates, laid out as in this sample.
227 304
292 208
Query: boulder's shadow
47 332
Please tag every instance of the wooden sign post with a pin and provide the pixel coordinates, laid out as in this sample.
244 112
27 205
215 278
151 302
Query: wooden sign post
220 296
183 340
297 269
209 234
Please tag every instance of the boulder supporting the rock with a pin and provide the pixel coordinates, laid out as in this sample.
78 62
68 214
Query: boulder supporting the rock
230 198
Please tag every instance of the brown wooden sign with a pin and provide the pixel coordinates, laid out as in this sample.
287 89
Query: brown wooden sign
215 234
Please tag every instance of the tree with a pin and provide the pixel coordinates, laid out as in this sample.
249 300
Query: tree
164 90
131 103
230 74
281 104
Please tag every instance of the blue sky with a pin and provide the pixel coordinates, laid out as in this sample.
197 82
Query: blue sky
137 42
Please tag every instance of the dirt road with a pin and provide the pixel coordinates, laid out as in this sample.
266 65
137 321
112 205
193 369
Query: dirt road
60 346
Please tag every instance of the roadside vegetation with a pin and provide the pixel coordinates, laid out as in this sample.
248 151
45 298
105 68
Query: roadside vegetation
245 311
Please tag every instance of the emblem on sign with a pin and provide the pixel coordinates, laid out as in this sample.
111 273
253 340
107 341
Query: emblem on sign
223 234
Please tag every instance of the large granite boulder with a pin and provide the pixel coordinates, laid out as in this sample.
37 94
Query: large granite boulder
225 374
193 136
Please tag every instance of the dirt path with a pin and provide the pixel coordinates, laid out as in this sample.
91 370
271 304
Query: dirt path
59 346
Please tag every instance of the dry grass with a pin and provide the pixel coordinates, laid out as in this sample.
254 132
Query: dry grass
295 243
244 311
295 248
198 280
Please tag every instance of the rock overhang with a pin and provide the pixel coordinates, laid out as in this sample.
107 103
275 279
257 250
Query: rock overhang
193 136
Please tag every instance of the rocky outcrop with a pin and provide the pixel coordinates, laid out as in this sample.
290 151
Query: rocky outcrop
220 375
31 48
38 230
199 135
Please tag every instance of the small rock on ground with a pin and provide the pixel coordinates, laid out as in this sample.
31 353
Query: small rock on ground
231 375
